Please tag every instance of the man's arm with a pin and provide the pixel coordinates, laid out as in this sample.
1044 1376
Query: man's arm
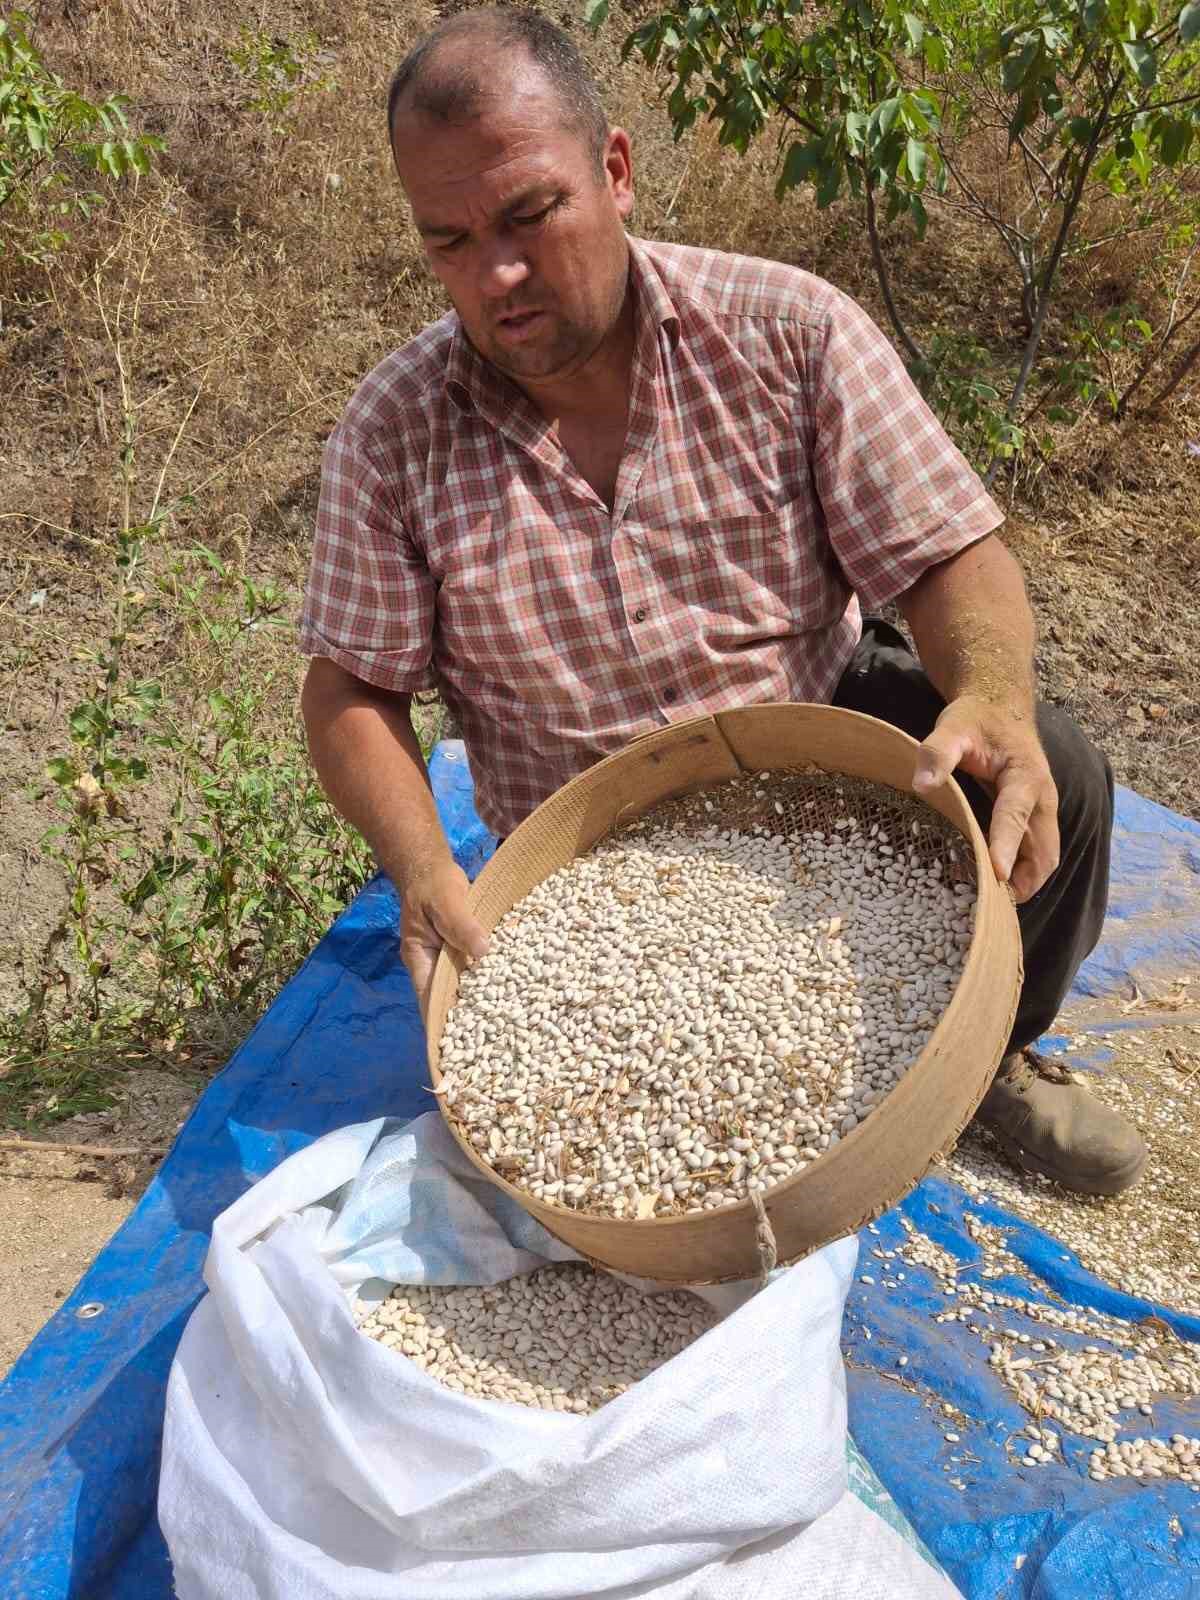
975 636
369 762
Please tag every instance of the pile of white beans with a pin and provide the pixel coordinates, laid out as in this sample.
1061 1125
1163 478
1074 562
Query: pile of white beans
682 1016
565 1338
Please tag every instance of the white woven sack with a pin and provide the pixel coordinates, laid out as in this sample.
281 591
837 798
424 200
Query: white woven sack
304 1460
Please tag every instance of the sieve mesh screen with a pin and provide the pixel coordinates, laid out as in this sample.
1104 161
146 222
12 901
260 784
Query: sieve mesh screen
806 800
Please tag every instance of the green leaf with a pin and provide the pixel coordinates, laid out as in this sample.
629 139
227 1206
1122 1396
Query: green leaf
915 29
1174 140
1080 129
915 113
1017 68
145 694
1189 22
1026 112
210 559
62 770
1143 61
801 162
936 58
919 215
915 155
830 185
1108 171
884 116
88 722
856 130
163 871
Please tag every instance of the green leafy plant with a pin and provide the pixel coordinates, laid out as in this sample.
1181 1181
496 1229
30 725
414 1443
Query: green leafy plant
200 860
278 72
1099 100
216 904
51 138
851 119
959 377
879 104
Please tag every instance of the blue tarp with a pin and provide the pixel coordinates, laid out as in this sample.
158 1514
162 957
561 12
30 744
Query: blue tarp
81 1412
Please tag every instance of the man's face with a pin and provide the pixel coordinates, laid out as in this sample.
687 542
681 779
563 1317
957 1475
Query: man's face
520 226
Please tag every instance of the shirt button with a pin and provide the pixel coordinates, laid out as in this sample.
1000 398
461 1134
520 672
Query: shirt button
670 696
640 614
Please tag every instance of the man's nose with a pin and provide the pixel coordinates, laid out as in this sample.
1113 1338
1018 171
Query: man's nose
503 269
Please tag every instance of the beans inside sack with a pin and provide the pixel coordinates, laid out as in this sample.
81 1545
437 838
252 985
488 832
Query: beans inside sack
563 1339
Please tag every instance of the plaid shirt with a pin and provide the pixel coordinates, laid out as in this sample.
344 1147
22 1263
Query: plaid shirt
779 468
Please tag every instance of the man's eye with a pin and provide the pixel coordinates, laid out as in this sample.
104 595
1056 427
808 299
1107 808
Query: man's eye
536 216
455 243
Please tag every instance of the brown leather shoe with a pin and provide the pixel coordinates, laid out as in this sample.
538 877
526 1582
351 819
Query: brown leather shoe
1050 1124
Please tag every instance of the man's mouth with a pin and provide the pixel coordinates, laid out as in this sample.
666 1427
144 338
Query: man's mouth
519 321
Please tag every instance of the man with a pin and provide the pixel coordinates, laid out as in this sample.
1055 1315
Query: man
627 482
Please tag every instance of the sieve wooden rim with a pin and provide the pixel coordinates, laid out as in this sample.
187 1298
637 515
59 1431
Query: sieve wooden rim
694 755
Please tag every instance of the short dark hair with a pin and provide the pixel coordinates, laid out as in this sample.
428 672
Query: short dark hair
458 93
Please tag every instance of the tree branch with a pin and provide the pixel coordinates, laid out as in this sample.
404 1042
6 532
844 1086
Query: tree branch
1015 242
1182 367
915 353
1174 323
1070 209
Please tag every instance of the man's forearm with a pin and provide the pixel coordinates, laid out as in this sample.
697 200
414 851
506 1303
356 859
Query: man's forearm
973 628
370 765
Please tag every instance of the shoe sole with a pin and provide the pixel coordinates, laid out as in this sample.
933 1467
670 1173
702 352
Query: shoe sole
1113 1183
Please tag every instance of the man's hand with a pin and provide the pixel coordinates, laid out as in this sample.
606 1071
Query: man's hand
434 912
1002 750
371 767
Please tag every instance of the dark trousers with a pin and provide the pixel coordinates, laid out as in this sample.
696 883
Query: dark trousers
1062 922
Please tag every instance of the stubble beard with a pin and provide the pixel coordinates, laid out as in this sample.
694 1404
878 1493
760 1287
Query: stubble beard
571 343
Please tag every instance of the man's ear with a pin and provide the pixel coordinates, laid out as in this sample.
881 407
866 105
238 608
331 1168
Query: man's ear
618 169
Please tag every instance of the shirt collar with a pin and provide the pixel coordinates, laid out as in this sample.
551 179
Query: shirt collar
473 384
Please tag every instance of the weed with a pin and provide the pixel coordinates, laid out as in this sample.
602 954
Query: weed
200 859
278 72
49 136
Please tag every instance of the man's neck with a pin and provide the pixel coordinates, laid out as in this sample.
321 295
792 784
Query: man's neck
599 388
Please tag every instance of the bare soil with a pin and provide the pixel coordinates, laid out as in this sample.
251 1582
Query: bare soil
59 1209
52 1225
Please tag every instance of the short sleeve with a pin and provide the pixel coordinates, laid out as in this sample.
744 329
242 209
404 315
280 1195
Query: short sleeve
369 604
897 495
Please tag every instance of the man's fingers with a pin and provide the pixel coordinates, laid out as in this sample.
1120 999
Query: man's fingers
419 957
1016 798
458 927
1025 881
938 757
1039 854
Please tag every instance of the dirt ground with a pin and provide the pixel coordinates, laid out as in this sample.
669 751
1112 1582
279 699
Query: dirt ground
53 1225
58 1209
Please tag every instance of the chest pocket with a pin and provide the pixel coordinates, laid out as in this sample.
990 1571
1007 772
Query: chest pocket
764 573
